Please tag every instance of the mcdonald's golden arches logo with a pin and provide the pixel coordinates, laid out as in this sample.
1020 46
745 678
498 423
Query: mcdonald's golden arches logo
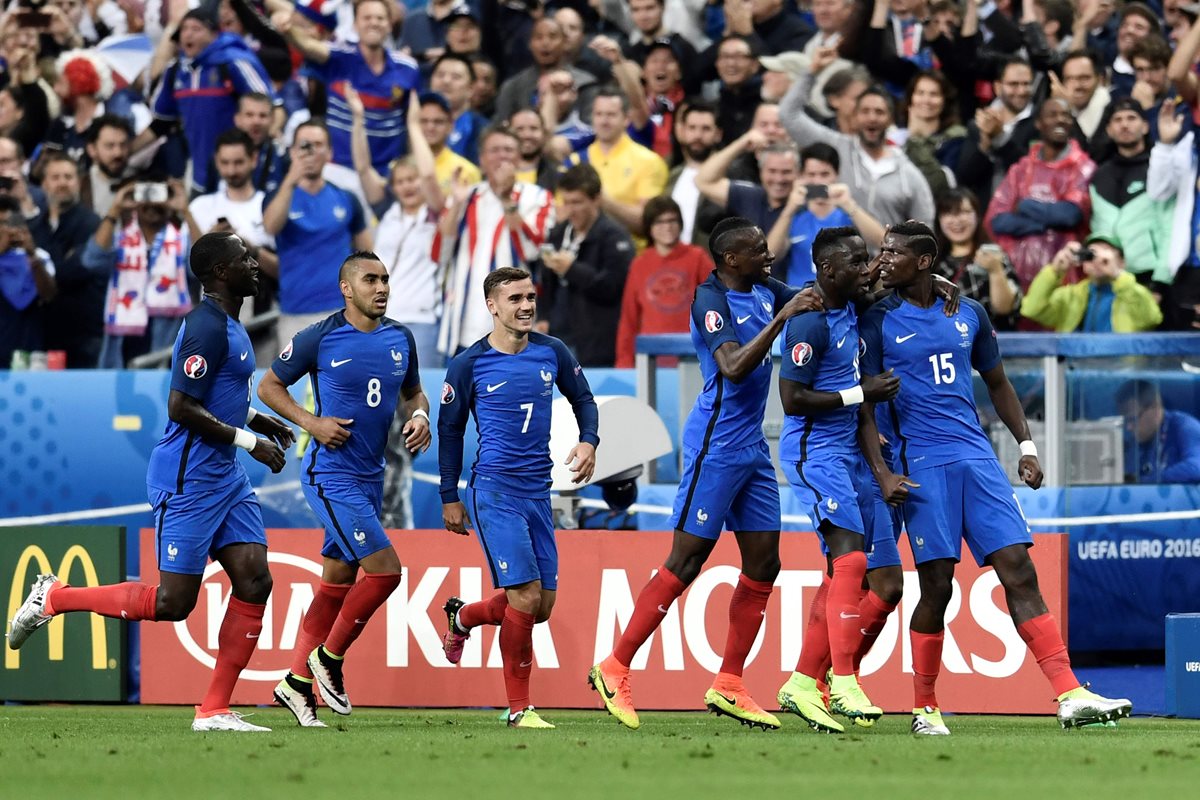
20 586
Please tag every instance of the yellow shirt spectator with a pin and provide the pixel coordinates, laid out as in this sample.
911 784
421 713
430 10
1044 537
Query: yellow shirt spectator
444 165
630 174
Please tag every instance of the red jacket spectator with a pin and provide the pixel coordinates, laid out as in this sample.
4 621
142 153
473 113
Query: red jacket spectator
1040 206
658 294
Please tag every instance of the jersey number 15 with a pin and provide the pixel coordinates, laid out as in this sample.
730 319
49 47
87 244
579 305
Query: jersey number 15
943 368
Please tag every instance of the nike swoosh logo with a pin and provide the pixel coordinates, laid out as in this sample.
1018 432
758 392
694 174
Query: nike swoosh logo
124 615
491 388
730 700
361 621
604 689
844 615
526 664
864 631
295 215
903 339
841 342
251 635
661 610
740 320
245 354
336 363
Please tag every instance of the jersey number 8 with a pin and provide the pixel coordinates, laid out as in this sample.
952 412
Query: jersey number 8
374 395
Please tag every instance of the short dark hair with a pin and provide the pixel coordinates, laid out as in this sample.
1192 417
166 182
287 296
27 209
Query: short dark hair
700 106
724 234
466 62
878 91
819 151
233 137
527 110
581 178
920 237
841 80
830 240
108 121
312 122
1059 11
210 250
358 255
497 129
612 90
254 97
1011 61
501 276
1145 12
10 204
1145 393
657 206
55 156
1088 54
1154 49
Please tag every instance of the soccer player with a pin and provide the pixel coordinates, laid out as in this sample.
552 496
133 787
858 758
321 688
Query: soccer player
360 363
728 478
820 387
946 475
507 380
203 502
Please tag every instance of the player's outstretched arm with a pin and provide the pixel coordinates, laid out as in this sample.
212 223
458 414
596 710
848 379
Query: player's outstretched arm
329 431
187 411
893 487
1008 407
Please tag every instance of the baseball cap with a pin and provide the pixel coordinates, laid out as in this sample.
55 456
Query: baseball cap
437 98
1125 104
663 44
1106 238
461 12
793 64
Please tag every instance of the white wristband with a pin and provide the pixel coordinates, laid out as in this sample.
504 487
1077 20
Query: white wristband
1028 448
244 439
420 412
852 396
250 415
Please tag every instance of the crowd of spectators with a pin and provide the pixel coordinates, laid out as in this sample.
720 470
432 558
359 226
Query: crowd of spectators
1050 143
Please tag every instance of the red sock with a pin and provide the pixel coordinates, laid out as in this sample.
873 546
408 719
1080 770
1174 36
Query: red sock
845 593
131 601
236 641
516 651
874 613
662 590
814 655
363 599
927 663
1045 642
747 610
318 621
485 612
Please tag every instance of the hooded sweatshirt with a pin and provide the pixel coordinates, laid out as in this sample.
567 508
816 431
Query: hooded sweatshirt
1121 207
891 189
203 93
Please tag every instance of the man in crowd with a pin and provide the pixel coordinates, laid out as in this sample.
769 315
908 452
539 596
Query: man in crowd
583 276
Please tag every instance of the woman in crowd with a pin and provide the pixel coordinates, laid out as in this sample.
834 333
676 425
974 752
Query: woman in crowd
978 267
662 279
935 136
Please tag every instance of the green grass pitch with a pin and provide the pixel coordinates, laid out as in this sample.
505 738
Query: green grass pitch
133 752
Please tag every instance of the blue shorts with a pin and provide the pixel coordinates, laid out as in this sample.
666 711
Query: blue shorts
970 500
517 534
733 489
839 488
349 511
191 527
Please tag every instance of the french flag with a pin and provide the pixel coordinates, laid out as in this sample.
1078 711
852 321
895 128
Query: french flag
322 12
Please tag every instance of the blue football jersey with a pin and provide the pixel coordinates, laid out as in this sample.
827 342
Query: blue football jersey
821 351
355 375
933 420
212 361
511 397
729 415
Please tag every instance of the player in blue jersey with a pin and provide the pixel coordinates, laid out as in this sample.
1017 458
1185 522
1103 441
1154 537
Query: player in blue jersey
507 380
204 505
728 479
946 475
360 363
821 387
